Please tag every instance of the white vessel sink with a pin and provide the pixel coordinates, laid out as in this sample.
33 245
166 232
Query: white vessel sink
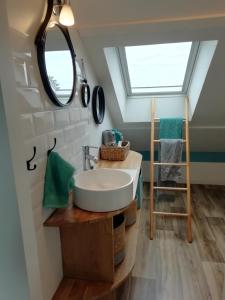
103 190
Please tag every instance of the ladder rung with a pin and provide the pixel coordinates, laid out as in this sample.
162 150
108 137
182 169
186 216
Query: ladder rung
158 119
158 141
169 214
170 188
169 164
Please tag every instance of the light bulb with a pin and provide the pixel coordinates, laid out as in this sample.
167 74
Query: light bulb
66 17
54 20
51 24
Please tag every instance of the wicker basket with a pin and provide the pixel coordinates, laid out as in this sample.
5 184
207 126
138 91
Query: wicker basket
115 153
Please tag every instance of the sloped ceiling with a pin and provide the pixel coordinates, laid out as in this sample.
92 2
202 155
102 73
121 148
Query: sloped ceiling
113 23
210 110
108 12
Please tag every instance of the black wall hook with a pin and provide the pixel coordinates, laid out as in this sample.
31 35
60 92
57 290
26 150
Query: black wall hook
29 168
50 150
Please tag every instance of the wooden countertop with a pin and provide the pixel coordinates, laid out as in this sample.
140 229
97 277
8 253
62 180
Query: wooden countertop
72 215
133 161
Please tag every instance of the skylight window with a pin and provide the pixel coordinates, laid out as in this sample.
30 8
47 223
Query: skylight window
158 69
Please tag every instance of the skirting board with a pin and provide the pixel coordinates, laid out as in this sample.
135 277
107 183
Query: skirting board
201 173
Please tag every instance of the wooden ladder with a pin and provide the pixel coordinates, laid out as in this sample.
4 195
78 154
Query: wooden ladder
186 189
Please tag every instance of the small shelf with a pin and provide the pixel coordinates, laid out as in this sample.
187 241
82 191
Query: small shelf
76 289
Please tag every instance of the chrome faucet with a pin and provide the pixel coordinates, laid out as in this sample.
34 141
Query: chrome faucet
87 157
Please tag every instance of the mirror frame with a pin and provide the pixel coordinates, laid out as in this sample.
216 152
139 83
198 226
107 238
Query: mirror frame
98 115
40 41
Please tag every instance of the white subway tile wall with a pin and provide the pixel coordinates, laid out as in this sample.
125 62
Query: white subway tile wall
61 118
69 125
41 122
27 126
75 115
29 100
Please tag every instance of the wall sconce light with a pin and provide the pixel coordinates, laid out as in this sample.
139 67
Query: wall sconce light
66 16
63 12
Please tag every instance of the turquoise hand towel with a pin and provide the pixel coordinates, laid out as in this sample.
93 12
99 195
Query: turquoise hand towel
58 181
171 128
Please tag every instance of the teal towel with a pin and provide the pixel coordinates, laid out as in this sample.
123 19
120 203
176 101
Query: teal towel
118 135
171 128
139 192
58 181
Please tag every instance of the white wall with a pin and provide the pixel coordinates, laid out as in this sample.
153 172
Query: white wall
13 277
111 56
37 122
11 108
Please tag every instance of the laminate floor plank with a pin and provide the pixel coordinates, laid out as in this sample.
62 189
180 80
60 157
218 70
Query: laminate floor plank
122 293
218 228
214 274
141 289
169 267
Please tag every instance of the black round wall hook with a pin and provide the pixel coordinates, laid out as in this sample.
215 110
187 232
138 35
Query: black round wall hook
29 168
50 150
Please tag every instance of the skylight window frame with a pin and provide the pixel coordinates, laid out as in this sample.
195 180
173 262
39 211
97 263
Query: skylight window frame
187 78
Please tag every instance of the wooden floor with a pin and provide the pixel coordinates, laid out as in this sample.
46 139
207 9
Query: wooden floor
169 267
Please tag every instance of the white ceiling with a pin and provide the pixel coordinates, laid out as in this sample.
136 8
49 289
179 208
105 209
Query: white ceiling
99 12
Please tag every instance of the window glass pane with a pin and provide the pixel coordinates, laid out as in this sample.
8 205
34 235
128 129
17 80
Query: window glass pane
157 68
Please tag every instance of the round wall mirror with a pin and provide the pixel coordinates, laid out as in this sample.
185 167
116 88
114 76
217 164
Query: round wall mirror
56 60
98 104
59 65
85 93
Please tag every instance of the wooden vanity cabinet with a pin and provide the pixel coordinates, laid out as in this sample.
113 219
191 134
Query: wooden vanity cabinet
88 248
